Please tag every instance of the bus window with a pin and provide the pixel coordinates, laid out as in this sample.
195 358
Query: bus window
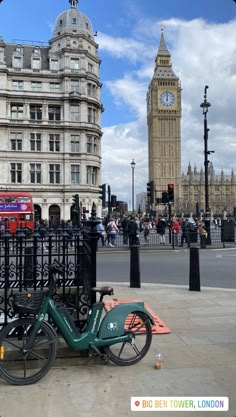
22 216
10 199
29 217
24 199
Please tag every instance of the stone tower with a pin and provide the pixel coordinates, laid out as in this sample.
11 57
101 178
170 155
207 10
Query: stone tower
164 119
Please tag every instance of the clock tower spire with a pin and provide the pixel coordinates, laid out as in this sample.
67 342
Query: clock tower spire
163 120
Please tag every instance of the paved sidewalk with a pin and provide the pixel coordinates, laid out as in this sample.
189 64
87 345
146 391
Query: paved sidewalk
199 359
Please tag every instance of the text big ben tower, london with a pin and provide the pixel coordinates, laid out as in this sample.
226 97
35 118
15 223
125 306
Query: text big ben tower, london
164 119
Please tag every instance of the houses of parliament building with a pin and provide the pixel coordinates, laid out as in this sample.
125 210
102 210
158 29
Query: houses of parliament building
164 148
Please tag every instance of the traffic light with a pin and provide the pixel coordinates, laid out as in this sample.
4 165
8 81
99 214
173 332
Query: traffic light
171 193
102 195
75 202
113 200
164 197
150 191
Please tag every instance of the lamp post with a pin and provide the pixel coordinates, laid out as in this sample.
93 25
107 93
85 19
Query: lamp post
205 106
132 167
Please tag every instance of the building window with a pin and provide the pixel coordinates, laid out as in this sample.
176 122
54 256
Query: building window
91 88
54 113
75 143
92 173
17 111
16 173
36 86
19 49
35 112
74 63
18 85
74 20
74 85
16 141
92 115
35 173
91 144
36 64
35 142
90 67
36 51
17 62
75 113
54 87
54 66
54 173
54 143
75 174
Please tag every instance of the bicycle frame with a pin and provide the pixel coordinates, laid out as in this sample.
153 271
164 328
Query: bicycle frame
109 332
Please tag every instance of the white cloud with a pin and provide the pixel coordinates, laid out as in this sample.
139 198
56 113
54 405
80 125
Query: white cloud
202 54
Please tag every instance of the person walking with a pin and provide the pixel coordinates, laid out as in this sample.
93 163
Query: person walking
112 229
202 234
124 228
184 233
161 229
101 232
132 231
175 227
146 232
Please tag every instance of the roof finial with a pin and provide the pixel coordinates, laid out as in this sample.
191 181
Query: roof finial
162 28
73 3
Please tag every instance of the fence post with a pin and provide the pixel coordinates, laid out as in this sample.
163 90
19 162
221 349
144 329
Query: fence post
134 267
194 271
29 266
90 228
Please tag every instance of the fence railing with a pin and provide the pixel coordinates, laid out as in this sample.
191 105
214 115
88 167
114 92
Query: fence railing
219 238
25 262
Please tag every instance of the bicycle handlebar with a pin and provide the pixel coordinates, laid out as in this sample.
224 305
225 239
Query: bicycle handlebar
55 268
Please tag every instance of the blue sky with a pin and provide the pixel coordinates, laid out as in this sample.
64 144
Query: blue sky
200 36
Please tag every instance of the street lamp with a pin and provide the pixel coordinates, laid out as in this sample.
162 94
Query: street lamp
205 106
132 167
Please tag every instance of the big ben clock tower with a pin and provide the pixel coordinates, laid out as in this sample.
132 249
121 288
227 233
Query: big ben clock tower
163 119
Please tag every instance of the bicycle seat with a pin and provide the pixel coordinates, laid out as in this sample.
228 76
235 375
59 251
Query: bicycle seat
104 290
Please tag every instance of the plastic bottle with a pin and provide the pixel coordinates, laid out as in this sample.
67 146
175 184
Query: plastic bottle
158 363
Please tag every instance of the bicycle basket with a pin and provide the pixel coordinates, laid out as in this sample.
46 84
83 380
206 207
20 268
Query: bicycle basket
28 302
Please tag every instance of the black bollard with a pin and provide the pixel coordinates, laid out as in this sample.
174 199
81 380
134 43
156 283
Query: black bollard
194 270
134 267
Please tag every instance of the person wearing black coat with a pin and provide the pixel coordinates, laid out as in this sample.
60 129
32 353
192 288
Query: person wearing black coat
132 229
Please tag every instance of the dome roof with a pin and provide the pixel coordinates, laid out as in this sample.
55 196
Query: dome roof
73 19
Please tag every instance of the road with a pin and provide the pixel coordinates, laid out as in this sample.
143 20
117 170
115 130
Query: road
217 267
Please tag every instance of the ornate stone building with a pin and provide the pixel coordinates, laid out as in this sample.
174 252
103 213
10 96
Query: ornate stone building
50 117
164 148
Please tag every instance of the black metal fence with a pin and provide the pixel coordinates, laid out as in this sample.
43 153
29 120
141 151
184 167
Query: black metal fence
220 237
25 261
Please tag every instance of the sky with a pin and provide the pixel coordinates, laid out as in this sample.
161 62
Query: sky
201 37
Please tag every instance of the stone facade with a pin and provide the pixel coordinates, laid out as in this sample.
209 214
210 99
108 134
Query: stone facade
50 117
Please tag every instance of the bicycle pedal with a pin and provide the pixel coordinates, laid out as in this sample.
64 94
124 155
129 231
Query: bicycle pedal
105 358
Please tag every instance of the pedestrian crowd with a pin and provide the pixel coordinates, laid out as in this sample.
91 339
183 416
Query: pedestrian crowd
183 231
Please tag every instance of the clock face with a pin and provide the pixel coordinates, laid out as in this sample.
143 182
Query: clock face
167 98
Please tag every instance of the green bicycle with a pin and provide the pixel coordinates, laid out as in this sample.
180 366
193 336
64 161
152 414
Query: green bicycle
28 345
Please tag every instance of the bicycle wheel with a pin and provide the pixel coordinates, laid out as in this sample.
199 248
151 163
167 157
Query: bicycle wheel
20 366
128 353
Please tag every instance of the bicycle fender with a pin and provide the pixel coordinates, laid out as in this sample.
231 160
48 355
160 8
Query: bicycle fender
51 328
113 323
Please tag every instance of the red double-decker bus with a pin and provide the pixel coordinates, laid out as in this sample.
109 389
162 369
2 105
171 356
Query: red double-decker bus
16 211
